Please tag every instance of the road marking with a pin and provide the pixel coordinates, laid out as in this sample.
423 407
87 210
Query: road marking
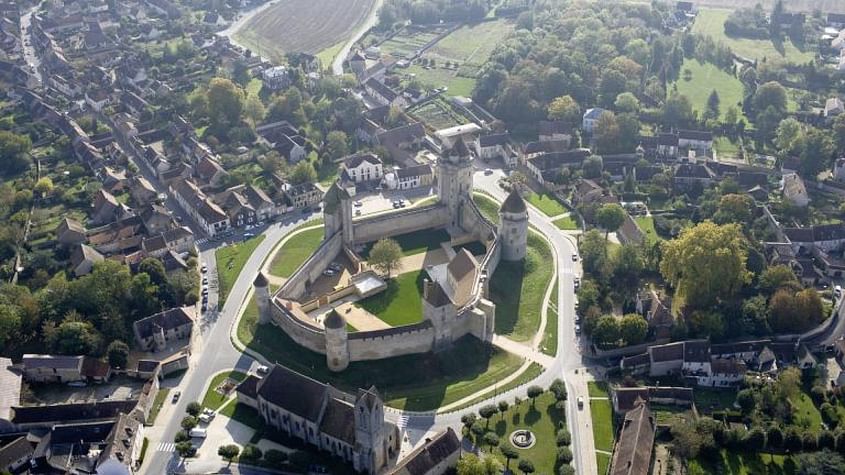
166 447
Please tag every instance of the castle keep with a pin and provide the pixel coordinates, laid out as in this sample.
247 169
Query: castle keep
454 295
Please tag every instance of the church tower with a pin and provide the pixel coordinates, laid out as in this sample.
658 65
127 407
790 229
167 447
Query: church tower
369 431
513 230
454 181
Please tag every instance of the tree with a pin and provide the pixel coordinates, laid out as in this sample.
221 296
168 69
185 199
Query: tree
336 145
251 453
525 466
774 437
385 255
503 408
755 440
789 382
777 277
509 453
677 111
228 452
487 412
558 388
534 392
74 338
592 166
225 103
633 329
194 408
817 152
189 422
627 102
820 463
491 439
606 332
565 109
303 172
746 401
770 94
275 457
254 110
469 464
563 438
713 105
477 429
686 441
14 153
185 449
734 208
44 186
468 419
607 133
564 455
795 311
610 217
118 353
706 262
792 439
788 135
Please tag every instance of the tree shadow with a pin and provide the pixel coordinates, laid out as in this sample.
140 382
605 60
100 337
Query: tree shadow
506 291
532 416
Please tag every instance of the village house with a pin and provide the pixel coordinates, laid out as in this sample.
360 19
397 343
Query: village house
363 167
492 146
632 454
795 191
549 130
70 232
546 168
700 141
833 106
156 332
384 94
435 457
303 195
412 177
692 176
205 212
83 258
63 369
210 172
276 78
590 119
402 142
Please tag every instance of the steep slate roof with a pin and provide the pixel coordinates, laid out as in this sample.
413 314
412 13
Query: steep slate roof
632 455
696 351
462 264
493 139
260 280
339 421
436 296
514 203
249 386
16 450
669 352
459 149
10 388
168 319
824 232
52 361
414 171
73 412
429 455
355 161
296 393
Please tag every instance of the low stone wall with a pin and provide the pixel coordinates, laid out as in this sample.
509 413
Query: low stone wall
328 298
400 222
379 344
305 335
311 270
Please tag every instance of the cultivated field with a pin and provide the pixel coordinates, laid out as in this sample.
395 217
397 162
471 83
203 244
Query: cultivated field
712 22
438 114
411 39
308 26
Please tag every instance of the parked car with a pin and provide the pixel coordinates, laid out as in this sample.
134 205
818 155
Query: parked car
488 171
577 329
574 257
205 281
580 402
176 396
329 272
198 433
262 369
204 268
358 204
204 418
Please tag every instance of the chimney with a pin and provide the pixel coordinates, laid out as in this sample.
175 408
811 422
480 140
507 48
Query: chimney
426 288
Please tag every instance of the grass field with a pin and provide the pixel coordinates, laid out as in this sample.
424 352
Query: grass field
518 288
549 344
546 203
725 148
409 40
488 207
708 400
469 47
602 462
705 79
308 26
213 399
744 463
543 419
230 261
805 413
531 373
399 304
646 224
602 414
712 22
566 223
419 382
415 243
597 389
158 403
296 251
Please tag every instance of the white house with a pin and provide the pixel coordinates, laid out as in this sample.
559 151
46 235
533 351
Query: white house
413 177
701 141
591 118
97 99
492 146
363 167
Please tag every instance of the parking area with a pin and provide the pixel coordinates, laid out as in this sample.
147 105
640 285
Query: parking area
119 388
383 200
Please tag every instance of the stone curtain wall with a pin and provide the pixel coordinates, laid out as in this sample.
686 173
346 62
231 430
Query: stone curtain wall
400 222
379 344
310 337
294 287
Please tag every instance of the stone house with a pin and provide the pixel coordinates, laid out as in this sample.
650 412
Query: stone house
795 191
155 332
363 167
413 177
688 176
70 232
552 130
52 368
632 454
322 416
666 359
210 171
435 457
492 146
590 119
83 258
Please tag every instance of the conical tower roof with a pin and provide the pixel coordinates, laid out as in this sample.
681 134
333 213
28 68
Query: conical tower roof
334 321
514 203
260 280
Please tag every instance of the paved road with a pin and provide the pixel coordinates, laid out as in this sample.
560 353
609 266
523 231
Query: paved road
216 353
29 53
372 18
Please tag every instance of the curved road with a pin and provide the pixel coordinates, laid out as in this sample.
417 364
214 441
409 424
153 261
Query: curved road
219 354
372 18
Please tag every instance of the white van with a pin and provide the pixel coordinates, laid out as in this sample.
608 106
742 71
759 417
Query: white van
198 433
837 291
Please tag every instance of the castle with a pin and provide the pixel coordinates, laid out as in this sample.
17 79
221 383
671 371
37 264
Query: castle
454 297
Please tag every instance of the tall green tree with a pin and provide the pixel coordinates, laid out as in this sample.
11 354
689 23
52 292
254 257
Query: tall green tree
566 109
385 255
610 217
225 103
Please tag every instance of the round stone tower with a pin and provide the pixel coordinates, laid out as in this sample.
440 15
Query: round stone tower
337 348
513 230
262 297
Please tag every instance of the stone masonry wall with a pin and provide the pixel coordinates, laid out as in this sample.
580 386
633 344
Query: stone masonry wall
401 222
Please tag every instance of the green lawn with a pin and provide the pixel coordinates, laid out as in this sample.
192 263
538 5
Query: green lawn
212 399
708 400
230 261
541 418
439 76
420 382
531 373
603 463
597 389
725 148
744 463
295 252
546 203
602 415
566 223
646 224
158 403
328 55
399 304
518 288
549 344
705 79
488 207
804 413
416 242
712 22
